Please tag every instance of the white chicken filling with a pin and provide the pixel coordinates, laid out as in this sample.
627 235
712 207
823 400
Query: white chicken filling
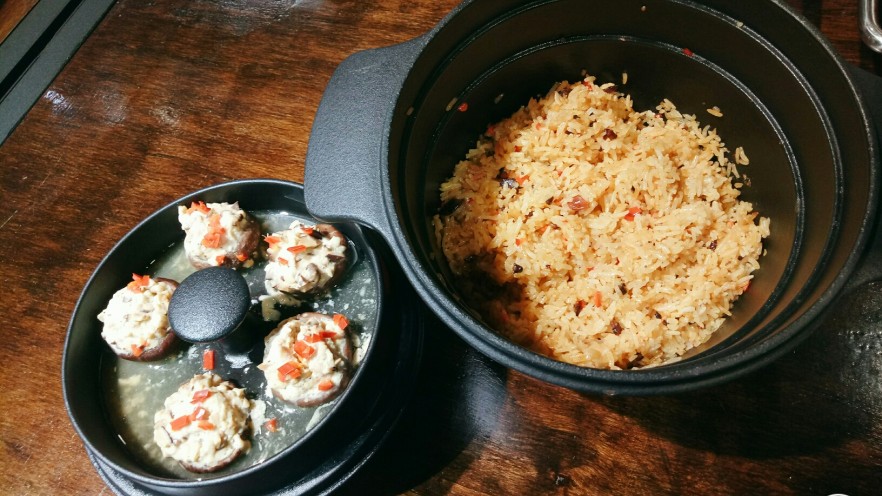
214 231
306 359
136 318
204 423
302 260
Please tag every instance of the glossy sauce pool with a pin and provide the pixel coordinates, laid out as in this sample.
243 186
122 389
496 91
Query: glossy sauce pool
135 391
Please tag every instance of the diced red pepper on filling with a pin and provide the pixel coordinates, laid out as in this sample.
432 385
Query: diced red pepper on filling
325 385
598 299
208 359
340 321
303 349
289 369
522 179
215 236
283 261
241 257
199 414
321 336
212 240
308 230
199 206
138 349
272 240
138 283
201 395
220 259
297 249
180 422
205 425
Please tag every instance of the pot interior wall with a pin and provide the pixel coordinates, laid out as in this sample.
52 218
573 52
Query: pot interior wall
790 125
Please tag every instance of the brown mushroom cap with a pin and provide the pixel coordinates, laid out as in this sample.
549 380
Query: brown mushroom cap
213 468
339 265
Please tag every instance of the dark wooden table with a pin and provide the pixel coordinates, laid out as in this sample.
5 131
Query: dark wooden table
169 96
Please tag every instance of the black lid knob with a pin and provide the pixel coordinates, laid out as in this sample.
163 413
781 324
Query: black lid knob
209 305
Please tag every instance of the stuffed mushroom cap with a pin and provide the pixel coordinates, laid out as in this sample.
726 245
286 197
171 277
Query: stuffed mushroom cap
218 234
135 321
305 260
308 359
204 425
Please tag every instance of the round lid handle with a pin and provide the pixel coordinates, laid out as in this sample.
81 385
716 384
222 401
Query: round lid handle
209 305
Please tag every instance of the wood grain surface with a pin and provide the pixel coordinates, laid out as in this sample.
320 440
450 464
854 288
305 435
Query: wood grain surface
169 96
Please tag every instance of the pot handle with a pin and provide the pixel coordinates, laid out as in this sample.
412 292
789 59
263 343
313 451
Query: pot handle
871 32
870 266
345 158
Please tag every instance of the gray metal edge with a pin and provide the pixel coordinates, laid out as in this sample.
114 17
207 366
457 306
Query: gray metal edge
27 32
58 51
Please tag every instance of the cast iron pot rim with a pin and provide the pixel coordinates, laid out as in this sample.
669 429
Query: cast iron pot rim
197 484
675 377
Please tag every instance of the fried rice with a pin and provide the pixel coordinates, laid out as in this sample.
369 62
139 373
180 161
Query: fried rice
597 234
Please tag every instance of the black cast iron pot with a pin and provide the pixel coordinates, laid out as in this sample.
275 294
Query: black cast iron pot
324 455
388 132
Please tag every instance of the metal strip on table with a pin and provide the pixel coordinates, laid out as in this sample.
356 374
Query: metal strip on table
38 48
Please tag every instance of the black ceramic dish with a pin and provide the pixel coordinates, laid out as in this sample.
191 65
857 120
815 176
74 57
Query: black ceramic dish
788 99
337 444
